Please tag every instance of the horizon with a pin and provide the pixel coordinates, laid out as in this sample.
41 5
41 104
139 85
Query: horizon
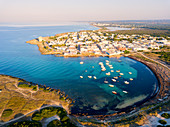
41 11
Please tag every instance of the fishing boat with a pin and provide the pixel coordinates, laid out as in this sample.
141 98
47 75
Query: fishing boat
115 77
111 85
100 63
108 73
121 74
114 80
81 76
112 70
89 76
107 61
130 73
94 77
103 69
118 71
111 67
81 62
126 82
125 92
131 79
106 82
114 92
107 64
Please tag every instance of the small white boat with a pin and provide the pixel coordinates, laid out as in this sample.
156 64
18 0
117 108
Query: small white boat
85 70
130 73
81 62
114 80
126 82
107 61
111 67
107 64
103 69
131 79
112 70
92 66
111 85
108 73
89 76
118 71
100 63
115 77
121 74
125 92
106 82
81 76
94 77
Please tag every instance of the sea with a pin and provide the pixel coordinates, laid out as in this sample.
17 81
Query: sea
92 96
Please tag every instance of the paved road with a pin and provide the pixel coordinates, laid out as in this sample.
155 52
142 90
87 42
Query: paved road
154 61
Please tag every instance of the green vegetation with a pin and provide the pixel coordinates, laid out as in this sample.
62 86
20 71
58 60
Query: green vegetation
52 111
165 56
166 115
162 122
126 52
26 85
7 113
26 124
49 112
55 123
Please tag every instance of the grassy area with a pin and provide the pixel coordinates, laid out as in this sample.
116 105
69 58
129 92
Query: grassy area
26 124
7 113
24 100
55 123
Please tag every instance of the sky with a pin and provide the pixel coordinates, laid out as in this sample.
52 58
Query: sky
51 11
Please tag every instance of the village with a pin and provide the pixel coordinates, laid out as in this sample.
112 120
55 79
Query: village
96 43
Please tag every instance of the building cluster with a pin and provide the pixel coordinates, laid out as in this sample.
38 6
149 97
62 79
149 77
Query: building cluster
102 43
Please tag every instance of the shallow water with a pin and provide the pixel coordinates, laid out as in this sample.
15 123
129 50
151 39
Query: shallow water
92 96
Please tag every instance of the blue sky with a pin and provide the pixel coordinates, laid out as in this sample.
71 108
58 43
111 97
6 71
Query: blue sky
82 10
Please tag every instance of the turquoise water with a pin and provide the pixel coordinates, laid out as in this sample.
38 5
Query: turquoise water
92 96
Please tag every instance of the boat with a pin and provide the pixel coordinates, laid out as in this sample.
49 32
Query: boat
112 70
111 85
114 92
111 67
115 77
125 92
119 60
126 82
81 62
106 82
103 69
131 79
108 73
92 66
81 76
114 80
94 77
130 73
89 76
85 70
118 71
121 74
100 63
107 61
107 64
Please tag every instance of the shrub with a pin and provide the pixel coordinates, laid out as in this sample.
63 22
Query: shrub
55 123
162 122
26 124
7 113
166 115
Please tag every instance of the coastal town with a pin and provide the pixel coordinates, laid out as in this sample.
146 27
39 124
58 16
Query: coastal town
97 43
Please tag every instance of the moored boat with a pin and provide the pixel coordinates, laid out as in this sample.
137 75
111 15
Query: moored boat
118 71
126 82
125 91
114 80
112 70
81 76
81 62
106 82
89 76
130 73
115 77
111 85
108 73
121 73
114 92
131 79
94 77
